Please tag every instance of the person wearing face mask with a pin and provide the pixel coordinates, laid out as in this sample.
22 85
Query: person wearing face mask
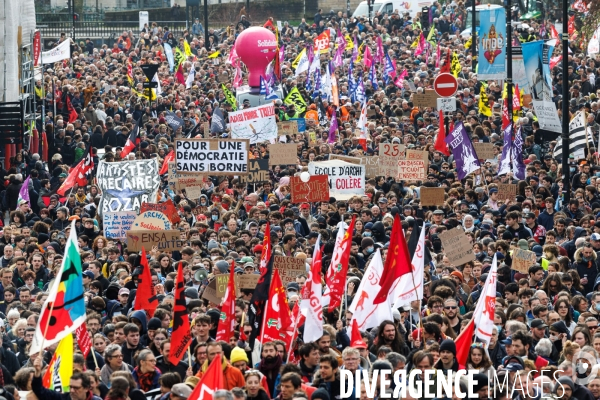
367 230
539 232
368 246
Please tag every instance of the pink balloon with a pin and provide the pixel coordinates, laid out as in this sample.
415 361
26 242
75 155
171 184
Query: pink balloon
256 47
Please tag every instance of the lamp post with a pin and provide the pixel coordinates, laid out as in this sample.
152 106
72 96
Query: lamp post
206 24
509 59
565 105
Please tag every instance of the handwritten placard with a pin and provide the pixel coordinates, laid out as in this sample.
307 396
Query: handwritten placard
289 268
411 170
168 240
522 260
166 207
457 246
117 223
287 128
283 154
507 191
193 192
188 181
210 293
432 196
152 220
389 154
316 189
426 99
484 150
418 155
259 172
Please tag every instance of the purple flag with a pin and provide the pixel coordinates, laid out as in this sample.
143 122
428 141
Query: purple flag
517 156
505 158
24 192
333 129
462 151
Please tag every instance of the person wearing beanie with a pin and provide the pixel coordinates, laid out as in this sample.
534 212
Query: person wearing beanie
239 359
320 394
368 246
447 361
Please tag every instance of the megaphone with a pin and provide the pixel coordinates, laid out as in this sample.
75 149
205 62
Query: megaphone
200 275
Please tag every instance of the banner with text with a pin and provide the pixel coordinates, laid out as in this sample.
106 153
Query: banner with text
345 180
256 124
116 224
212 156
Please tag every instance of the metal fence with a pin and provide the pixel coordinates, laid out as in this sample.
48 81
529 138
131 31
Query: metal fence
102 29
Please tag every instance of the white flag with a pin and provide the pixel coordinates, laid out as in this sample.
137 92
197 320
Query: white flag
366 314
190 78
405 290
59 53
486 306
302 63
311 299
335 259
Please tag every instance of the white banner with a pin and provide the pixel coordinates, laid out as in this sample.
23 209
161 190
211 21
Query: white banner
594 43
345 179
410 286
257 124
59 53
212 156
547 115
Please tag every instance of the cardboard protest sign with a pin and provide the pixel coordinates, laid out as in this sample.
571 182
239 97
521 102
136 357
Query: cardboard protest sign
212 156
189 181
210 293
244 281
522 260
287 128
173 175
371 163
167 240
126 185
116 224
484 150
193 192
166 207
247 281
259 172
222 281
315 190
152 220
345 180
256 124
289 268
507 191
432 196
389 154
426 99
418 155
283 154
457 246
411 170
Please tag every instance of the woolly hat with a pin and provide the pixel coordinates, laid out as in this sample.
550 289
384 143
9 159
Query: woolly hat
448 345
154 324
238 354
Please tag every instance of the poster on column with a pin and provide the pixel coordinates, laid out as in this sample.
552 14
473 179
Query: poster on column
345 179
536 56
519 76
126 185
257 124
492 44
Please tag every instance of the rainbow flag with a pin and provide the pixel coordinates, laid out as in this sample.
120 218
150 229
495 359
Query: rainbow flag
60 369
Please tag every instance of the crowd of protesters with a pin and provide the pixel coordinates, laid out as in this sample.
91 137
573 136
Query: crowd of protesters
545 320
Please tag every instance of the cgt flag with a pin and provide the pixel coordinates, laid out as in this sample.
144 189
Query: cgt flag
338 269
211 381
227 317
278 322
181 336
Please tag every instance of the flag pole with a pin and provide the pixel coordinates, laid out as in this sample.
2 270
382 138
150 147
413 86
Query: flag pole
94 354
46 329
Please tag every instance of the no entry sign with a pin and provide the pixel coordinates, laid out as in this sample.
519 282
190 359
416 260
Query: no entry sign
445 85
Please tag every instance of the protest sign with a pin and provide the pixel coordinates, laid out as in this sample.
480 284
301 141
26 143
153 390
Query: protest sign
484 150
210 293
345 180
411 170
371 163
173 175
247 281
315 190
193 192
116 224
259 172
283 154
389 154
167 240
257 124
151 220
212 156
289 268
166 207
126 185
418 155
457 246
432 196
244 281
522 260
188 181
507 191
426 99
287 128
222 281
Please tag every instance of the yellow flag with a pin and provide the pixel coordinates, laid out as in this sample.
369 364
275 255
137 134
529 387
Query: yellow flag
361 49
215 54
349 42
298 58
484 105
186 48
229 97
431 34
58 375
294 97
469 42
179 57
455 67
415 43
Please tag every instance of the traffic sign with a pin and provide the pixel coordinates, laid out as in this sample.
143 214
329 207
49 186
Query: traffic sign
446 104
445 85
149 70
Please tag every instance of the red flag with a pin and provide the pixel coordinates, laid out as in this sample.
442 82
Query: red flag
297 321
145 298
553 32
44 146
337 274
266 251
571 24
72 178
277 65
211 381
132 140
179 75
516 102
463 343
83 339
227 319
165 165
181 336
397 262
277 318
356 339
440 140
505 116
72 113
445 68
269 24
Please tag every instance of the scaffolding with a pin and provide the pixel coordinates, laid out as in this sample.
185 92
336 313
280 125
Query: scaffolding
27 91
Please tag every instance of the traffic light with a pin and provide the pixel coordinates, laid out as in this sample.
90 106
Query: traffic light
75 17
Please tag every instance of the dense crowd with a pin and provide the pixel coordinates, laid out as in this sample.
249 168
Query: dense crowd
545 320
